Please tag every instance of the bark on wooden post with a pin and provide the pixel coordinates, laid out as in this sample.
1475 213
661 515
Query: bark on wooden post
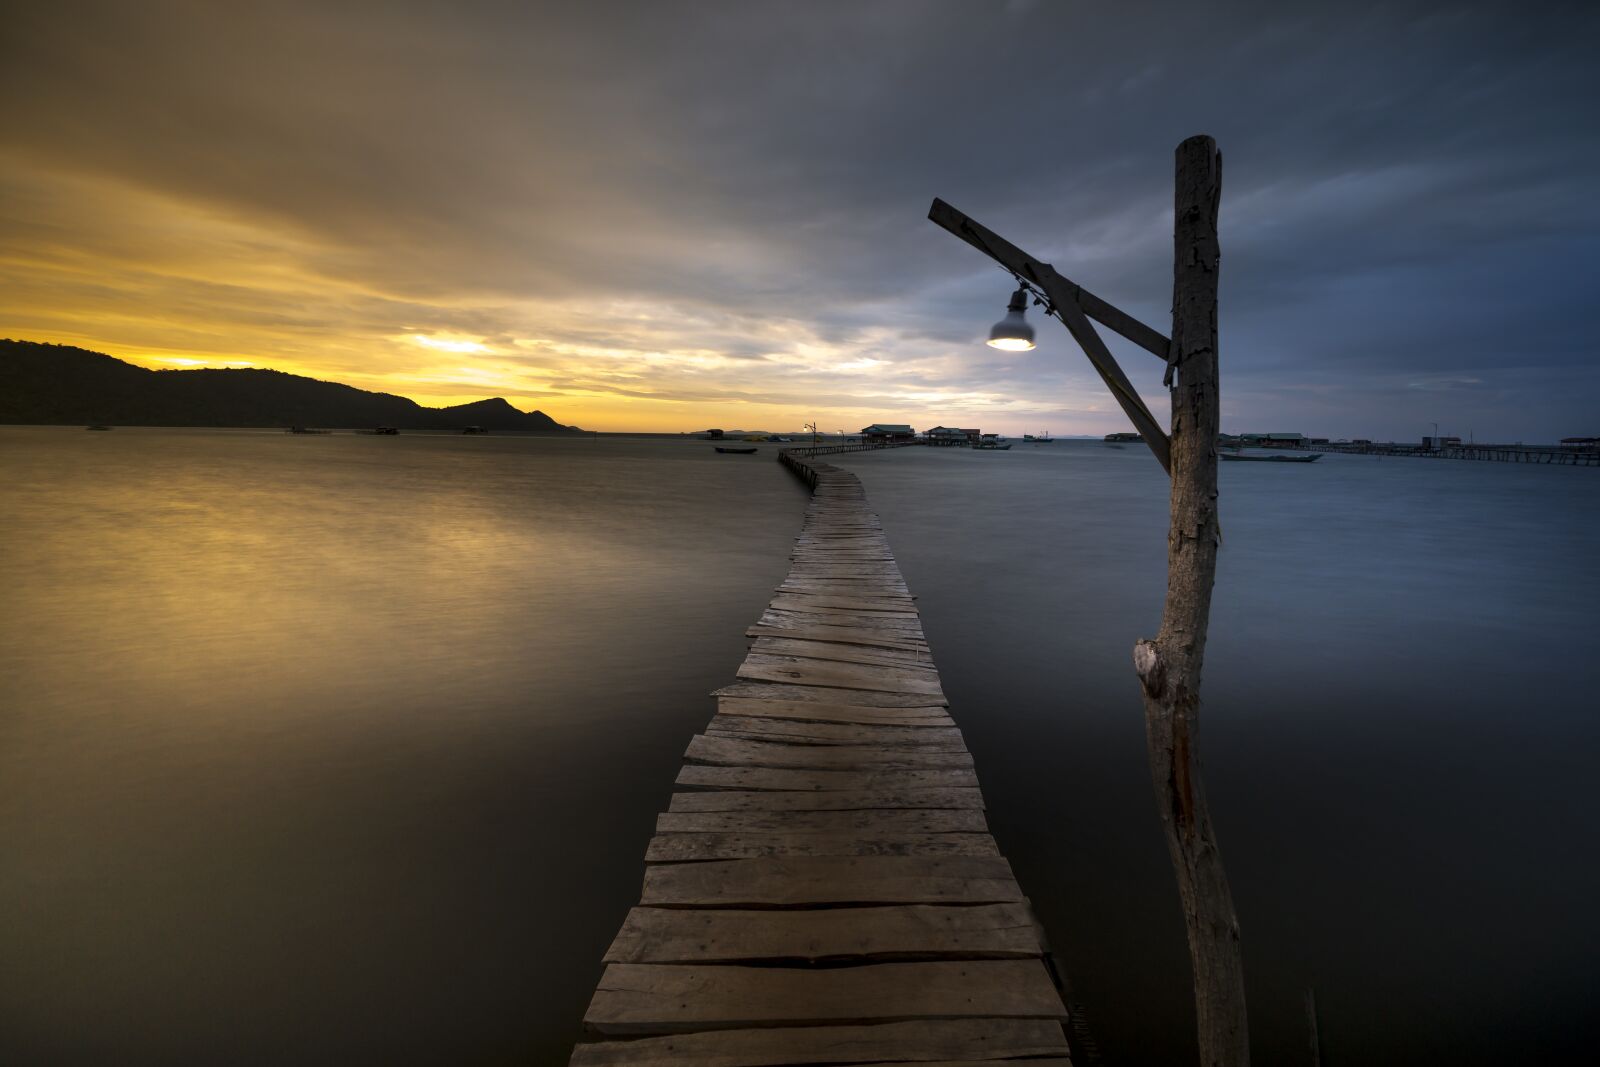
1169 666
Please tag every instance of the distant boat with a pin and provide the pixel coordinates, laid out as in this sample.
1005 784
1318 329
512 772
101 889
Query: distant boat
1122 437
1042 439
992 442
473 429
1280 457
305 429
97 426
736 451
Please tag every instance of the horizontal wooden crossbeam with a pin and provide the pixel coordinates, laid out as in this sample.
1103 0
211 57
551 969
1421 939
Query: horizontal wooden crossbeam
1048 278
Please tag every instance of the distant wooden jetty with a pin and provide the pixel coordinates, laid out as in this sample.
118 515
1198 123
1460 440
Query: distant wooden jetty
1567 457
823 887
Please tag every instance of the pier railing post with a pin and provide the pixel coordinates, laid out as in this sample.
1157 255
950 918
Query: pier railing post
1169 666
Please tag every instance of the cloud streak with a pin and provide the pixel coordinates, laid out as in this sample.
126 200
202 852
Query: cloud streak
665 216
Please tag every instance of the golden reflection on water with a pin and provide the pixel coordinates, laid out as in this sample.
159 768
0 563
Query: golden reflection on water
286 721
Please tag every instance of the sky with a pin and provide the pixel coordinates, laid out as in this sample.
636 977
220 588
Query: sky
666 215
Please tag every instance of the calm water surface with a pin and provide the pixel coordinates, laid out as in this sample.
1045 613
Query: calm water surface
346 749
321 749
1398 729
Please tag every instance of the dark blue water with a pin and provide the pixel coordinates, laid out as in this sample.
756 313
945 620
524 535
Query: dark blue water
1398 730
334 749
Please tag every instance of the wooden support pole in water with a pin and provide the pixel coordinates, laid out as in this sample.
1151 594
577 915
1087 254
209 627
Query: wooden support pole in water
1169 666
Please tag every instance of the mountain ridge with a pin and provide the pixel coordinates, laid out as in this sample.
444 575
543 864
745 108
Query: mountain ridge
43 383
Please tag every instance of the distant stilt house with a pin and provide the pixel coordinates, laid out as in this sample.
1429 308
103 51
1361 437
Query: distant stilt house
888 433
950 437
1580 444
1273 440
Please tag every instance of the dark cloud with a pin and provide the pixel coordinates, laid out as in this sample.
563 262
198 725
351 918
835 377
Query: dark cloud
1407 188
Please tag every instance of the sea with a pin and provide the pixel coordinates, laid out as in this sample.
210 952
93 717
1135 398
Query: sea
345 748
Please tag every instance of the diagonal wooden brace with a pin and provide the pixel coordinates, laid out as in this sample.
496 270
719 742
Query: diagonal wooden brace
1100 356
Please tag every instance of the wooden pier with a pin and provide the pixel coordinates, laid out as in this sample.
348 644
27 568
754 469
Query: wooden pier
797 451
1562 457
823 888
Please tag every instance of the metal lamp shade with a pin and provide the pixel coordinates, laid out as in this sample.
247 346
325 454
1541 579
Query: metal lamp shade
1012 333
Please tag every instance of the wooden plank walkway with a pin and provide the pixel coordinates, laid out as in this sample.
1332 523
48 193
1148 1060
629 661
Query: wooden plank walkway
823 888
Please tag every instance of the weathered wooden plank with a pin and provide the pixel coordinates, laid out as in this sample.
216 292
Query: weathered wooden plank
913 821
926 1042
891 627
875 547
807 880
894 583
874 588
815 711
843 605
658 998
727 751
872 620
875 637
682 935
946 739
782 779
770 703
878 799
869 571
821 534
826 695
845 587
748 735
875 677
842 652
695 848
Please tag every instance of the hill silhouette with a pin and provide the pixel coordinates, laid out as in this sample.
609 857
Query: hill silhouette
47 383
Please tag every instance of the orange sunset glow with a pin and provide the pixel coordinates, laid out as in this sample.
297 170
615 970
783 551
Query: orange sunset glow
404 213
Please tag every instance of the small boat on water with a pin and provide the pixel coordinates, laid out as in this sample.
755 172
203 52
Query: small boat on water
737 451
992 442
1041 439
1279 457
305 429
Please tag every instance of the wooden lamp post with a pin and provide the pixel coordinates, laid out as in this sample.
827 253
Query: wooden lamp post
1169 665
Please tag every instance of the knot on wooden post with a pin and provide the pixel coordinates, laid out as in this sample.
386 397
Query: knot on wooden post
1149 666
